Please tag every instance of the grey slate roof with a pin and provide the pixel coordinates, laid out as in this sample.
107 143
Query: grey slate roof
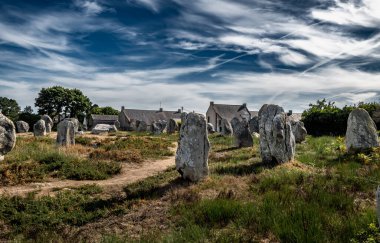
104 117
149 116
227 111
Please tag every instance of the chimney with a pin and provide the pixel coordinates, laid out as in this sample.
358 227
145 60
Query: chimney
211 103
122 108
290 112
244 105
161 109
179 111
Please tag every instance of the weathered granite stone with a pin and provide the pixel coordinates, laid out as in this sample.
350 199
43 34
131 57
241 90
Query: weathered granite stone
277 142
210 128
142 127
172 126
39 129
48 123
158 127
7 136
226 128
299 131
193 148
254 125
361 131
22 127
103 128
66 133
117 125
241 133
75 122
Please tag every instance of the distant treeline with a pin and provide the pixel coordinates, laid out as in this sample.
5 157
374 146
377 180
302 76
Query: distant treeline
325 118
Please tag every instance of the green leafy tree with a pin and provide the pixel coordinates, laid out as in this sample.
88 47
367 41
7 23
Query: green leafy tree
107 110
57 100
10 108
28 109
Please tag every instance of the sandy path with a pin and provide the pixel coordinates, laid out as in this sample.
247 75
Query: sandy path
128 175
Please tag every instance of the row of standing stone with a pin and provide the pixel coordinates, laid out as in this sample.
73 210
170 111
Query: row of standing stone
278 136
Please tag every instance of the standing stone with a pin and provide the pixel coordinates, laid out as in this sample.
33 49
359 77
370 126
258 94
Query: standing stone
143 127
210 128
277 142
48 123
39 129
76 123
299 131
193 147
361 131
103 128
226 128
158 127
172 126
66 133
7 136
254 125
241 133
117 124
22 126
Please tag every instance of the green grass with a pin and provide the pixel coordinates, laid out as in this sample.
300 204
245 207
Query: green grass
327 196
37 217
34 160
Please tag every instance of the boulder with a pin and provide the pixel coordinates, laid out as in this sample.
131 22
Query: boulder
39 129
226 128
241 133
75 122
48 123
254 125
193 148
277 142
158 127
142 127
103 128
299 131
66 133
361 131
172 126
22 126
117 124
7 136
210 128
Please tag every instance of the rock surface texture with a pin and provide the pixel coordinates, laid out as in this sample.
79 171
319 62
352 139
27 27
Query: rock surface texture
226 128
22 126
158 127
103 128
361 131
7 136
193 148
299 131
66 133
253 125
241 133
48 123
277 142
75 122
172 126
142 127
39 128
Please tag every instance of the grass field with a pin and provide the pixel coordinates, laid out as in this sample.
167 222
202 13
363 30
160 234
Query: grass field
325 196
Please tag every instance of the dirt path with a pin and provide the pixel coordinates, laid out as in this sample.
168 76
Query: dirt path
129 174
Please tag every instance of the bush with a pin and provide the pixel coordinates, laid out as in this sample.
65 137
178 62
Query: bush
325 118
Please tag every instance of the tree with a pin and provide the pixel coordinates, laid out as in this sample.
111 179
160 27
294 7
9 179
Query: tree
28 109
57 101
10 108
107 110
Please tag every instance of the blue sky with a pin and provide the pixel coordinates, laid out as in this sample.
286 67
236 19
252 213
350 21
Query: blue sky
138 53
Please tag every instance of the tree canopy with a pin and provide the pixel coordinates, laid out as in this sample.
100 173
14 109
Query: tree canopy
57 100
10 108
107 110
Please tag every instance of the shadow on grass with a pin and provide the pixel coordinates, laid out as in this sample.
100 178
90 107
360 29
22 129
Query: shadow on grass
154 190
243 169
227 149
